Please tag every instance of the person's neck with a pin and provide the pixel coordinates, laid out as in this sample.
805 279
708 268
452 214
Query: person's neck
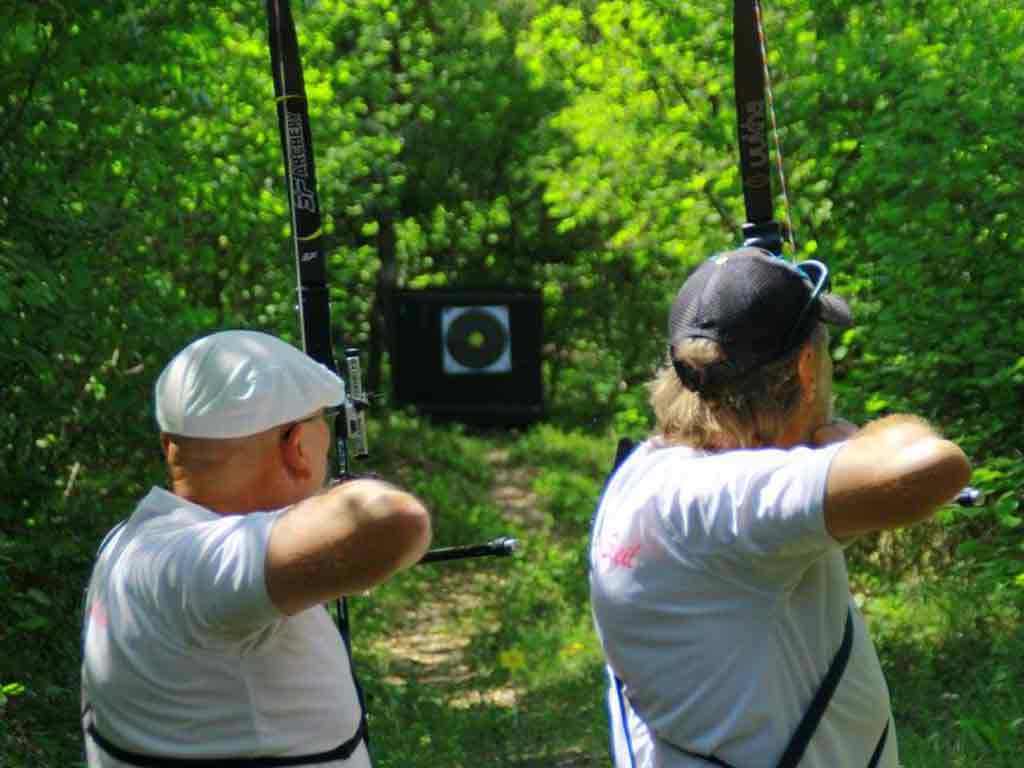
225 500
797 432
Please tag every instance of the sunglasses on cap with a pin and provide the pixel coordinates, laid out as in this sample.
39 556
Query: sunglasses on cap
815 274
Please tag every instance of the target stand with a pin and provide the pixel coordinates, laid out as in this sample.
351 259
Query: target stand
471 356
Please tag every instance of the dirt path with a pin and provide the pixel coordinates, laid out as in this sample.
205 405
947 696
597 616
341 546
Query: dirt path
430 645
512 490
433 644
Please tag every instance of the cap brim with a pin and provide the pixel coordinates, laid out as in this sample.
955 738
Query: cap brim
835 310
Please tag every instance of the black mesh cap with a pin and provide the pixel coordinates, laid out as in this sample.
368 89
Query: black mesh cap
757 306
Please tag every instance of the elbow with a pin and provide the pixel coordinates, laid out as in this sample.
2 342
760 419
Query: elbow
411 529
942 470
397 526
957 467
344 542
878 484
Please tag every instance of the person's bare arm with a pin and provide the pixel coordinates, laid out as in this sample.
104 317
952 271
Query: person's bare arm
893 472
343 541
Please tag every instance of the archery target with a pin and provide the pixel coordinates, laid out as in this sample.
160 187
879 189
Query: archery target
476 340
452 355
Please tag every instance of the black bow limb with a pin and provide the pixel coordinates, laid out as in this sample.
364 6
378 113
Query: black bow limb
760 230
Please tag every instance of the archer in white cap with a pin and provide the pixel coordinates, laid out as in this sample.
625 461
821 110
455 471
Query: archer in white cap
718 582
205 633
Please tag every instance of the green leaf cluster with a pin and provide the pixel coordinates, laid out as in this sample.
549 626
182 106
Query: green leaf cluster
584 148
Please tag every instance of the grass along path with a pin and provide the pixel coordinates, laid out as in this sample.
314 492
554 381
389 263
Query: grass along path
429 643
449 664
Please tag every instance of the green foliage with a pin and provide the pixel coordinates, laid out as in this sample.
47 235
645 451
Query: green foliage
643 175
952 660
584 148
571 468
417 726
446 469
81 317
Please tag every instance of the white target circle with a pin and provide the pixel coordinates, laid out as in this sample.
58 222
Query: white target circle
476 340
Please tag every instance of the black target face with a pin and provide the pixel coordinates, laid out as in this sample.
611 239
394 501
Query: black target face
476 339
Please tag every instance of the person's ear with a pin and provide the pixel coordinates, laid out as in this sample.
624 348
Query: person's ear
295 454
807 372
170 449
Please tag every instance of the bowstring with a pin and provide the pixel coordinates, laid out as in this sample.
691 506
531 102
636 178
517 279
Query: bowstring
776 141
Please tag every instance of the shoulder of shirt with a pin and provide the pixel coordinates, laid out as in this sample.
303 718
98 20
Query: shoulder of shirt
161 508
654 446
654 451
160 501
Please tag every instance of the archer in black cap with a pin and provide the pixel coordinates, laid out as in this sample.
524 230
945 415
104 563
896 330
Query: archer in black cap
718 583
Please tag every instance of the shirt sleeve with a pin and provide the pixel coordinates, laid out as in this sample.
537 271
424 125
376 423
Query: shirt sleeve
218 574
767 503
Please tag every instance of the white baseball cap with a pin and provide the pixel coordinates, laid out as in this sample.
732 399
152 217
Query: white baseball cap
239 383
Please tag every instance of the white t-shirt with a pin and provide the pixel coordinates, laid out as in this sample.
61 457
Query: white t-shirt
186 656
720 600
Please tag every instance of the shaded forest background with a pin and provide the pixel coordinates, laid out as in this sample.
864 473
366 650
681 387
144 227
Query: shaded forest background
585 149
